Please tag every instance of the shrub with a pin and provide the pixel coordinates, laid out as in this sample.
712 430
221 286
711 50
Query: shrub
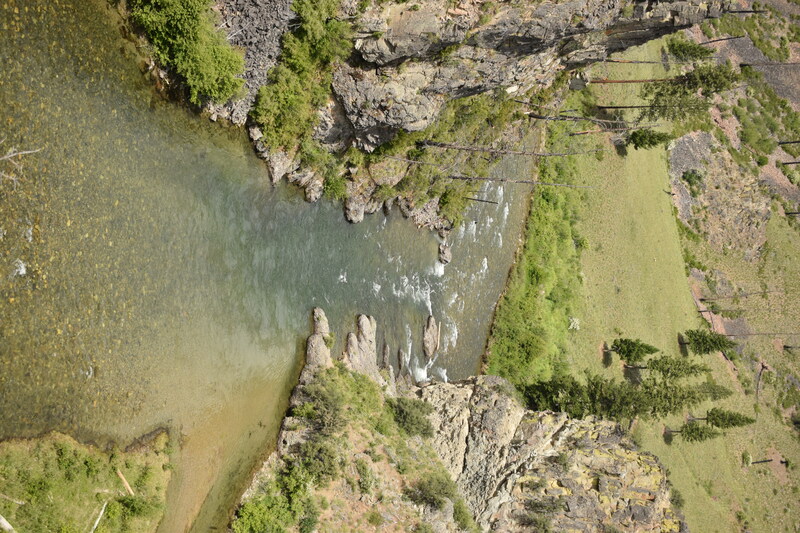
694 180
329 404
676 498
432 490
183 36
366 479
286 107
374 518
411 415
321 460
462 516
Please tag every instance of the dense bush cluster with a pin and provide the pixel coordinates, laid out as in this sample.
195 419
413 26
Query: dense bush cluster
300 83
184 38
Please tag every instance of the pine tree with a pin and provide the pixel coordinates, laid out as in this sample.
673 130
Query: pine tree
684 50
722 419
693 431
647 138
632 351
675 367
704 342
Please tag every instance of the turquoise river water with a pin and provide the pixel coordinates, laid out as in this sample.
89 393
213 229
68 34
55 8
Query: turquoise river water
150 276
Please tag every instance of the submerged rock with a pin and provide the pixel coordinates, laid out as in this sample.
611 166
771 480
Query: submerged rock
445 254
430 338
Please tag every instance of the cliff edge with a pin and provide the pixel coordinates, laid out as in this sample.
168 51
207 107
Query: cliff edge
380 454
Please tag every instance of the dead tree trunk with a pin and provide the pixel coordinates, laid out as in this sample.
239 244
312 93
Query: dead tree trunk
723 39
509 180
487 149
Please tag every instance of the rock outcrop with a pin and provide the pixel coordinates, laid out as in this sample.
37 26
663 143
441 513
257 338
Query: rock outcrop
410 59
584 474
512 466
255 26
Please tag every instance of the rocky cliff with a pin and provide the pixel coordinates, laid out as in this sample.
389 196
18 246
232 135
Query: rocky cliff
516 469
411 58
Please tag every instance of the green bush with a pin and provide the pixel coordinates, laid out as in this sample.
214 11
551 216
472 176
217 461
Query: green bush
433 489
183 36
374 518
366 479
329 404
321 459
411 415
286 107
462 516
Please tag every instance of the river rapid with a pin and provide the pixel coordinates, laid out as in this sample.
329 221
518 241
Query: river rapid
150 276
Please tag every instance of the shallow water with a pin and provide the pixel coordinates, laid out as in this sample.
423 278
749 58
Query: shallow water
168 284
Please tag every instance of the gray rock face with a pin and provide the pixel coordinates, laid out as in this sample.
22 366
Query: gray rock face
430 338
502 455
318 355
445 254
361 352
257 27
456 53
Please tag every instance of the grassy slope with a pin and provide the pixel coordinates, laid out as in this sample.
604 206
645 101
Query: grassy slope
635 284
65 484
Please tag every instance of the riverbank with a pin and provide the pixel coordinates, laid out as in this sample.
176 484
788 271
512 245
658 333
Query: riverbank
361 450
633 271
53 483
353 85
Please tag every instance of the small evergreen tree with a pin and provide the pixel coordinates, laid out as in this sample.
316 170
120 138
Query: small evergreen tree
647 138
632 351
684 50
675 367
722 419
703 342
695 432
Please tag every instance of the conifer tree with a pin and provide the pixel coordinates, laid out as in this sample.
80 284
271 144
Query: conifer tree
693 431
632 351
723 419
647 138
703 342
675 367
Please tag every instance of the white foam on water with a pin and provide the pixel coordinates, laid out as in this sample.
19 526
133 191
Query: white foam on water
376 287
450 336
343 277
437 269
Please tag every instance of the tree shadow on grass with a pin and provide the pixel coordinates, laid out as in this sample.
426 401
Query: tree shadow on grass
608 356
633 375
682 346
668 436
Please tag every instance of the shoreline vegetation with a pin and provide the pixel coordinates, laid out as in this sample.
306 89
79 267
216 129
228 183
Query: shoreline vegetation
182 37
53 483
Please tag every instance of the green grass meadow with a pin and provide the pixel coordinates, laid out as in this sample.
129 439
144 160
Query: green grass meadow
635 285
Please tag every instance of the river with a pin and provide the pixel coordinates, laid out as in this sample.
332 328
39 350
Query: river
150 276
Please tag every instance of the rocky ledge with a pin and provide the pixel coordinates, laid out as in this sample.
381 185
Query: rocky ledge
410 58
511 465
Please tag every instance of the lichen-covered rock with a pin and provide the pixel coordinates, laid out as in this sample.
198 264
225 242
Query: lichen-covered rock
361 352
728 207
585 473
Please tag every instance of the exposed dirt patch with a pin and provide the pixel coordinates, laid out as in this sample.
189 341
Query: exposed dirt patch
728 208
778 469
